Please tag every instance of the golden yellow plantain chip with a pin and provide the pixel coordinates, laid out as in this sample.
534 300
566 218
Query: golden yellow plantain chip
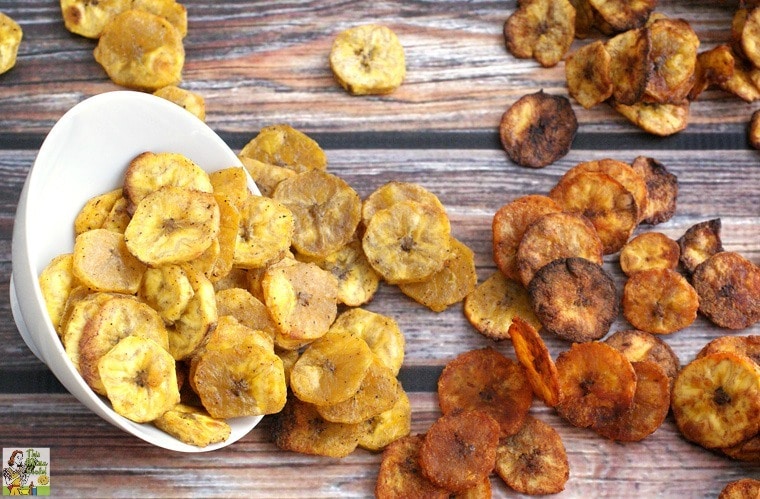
284 146
102 261
231 183
265 175
541 29
190 101
119 216
649 250
87 18
624 15
95 211
587 72
380 431
381 333
141 50
629 65
197 319
673 55
368 59
193 426
265 232
168 290
56 282
80 308
658 119
246 309
392 192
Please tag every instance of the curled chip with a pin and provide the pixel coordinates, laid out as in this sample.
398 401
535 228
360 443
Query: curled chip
587 71
264 234
197 319
606 203
538 129
300 428
87 18
103 262
649 250
629 65
139 379
700 242
640 346
95 211
141 50
651 403
449 285
714 67
584 18
284 146
495 303
168 290
716 400
380 332
326 211
744 345
368 59
534 460
56 282
597 383
741 83
659 301
728 286
486 381
673 55
541 29
655 118
400 474
509 225
331 369
740 489
459 449
624 15
553 236
265 175
392 192
10 39
662 190
407 242
172 225
80 308
387 427
574 298
193 426
532 353
191 101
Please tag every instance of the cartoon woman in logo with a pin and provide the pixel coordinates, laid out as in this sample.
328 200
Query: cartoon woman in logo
16 474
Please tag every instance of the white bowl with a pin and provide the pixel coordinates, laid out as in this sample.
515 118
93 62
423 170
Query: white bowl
85 154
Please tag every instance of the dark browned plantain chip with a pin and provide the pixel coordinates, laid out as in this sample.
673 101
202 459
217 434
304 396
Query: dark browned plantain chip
714 67
584 18
629 65
624 15
533 461
541 29
400 474
587 72
728 286
662 190
700 242
744 488
673 55
538 129
574 298
638 346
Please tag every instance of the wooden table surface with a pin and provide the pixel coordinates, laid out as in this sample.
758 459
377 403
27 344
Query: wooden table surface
258 63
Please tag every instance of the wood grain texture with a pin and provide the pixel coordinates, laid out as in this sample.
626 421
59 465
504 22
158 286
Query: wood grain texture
261 62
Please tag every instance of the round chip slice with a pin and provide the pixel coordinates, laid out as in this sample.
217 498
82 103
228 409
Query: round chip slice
553 236
700 242
538 129
394 191
655 118
745 345
659 301
587 72
389 426
95 211
597 383
716 400
740 489
368 59
509 225
172 225
486 381
193 426
102 261
534 460
459 449
673 53
649 250
264 234
380 332
640 346
198 317
192 102
282 145
400 474
326 211
532 353
629 65
542 29
407 242
624 15
728 286
56 282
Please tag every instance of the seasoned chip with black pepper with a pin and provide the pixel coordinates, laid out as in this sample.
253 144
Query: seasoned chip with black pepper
728 286
700 242
662 190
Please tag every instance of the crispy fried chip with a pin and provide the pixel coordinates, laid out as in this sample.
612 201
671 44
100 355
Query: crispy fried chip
392 192
407 242
728 286
651 403
193 426
629 65
284 146
609 206
742 82
597 383
102 261
381 333
119 216
673 56
326 210
246 309
655 118
659 301
700 242
368 59
449 285
743 488
400 474
649 250
509 225
747 450
587 72
139 379
141 50
538 129
87 18
80 308
542 29
574 298
172 225
539 367
553 236
487 381
534 460
714 67
168 290
640 346
380 431
716 400
624 15
459 449
198 317
662 190
265 175
750 37
300 428
56 282
493 305
745 345
95 211
192 102
265 232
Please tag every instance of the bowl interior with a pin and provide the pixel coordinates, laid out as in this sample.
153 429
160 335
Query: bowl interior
86 154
